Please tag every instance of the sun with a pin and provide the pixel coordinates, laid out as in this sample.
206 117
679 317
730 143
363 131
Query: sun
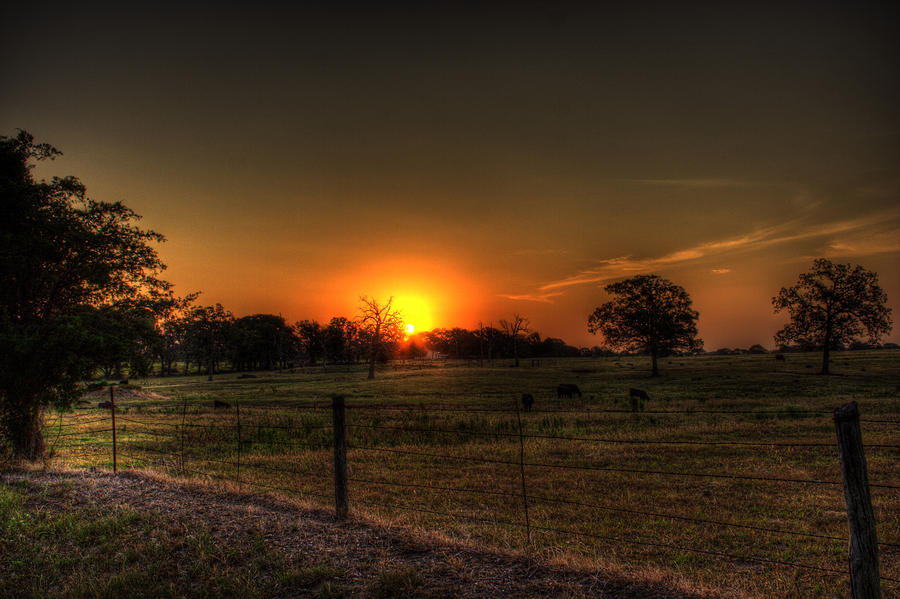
410 329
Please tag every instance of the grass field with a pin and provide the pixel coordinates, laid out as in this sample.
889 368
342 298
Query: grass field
728 478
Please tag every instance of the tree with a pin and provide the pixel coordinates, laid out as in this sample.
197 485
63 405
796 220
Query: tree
647 314
206 334
514 329
380 325
312 338
260 341
833 304
63 257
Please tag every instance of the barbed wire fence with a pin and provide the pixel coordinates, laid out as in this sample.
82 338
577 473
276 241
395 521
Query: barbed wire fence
257 445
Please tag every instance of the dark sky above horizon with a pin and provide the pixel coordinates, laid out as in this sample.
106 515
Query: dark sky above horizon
478 162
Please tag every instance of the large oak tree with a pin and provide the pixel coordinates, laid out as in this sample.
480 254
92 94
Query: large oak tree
647 314
65 261
833 304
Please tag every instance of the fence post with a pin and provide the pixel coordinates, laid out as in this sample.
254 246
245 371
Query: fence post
237 406
112 409
522 473
183 417
341 502
864 577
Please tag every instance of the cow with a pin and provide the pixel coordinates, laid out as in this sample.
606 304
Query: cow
637 397
639 393
527 401
568 390
221 405
779 357
105 405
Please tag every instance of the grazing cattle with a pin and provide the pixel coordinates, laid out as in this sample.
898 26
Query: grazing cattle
105 405
779 357
123 382
221 405
639 393
567 390
527 401
246 376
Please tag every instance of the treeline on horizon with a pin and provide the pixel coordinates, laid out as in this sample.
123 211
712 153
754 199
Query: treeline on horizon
199 339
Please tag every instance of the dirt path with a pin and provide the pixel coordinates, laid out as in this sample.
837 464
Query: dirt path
360 550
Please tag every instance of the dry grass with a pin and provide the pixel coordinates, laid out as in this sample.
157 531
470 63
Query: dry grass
80 534
738 399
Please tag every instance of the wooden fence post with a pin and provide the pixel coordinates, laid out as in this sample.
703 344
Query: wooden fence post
237 406
864 578
522 473
112 409
183 418
341 502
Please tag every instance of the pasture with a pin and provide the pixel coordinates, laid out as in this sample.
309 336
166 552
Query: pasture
727 480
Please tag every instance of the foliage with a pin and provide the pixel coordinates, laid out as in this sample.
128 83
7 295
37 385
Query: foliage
833 304
648 314
312 338
74 271
205 333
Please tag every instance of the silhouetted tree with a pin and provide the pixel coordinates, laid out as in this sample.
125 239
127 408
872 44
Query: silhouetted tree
311 337
379 325
514 329
833 304
260 341
63 258
647 314
487 340
206 334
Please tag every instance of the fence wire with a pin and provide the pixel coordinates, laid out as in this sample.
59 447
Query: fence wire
234 446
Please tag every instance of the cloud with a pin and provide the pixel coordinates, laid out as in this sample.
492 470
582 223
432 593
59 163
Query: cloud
867 245
697 183
540 252
870 234
546 298
720 271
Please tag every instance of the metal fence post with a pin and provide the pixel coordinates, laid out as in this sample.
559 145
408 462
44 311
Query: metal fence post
112 409
341 503
864 576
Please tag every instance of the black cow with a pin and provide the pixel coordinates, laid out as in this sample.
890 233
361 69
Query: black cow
221 405
639 393
779 357
527 401
568 390
105 405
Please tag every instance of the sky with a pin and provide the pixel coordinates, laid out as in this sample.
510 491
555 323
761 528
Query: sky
476 162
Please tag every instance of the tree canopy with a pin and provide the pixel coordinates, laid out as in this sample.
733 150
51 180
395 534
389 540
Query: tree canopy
73 270
647 314
833 304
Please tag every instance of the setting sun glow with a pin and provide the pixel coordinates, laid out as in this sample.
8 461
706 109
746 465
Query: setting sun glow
410 329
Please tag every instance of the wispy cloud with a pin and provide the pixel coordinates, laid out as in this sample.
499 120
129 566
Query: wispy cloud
867 245
540 252
545 298
864 235
696 183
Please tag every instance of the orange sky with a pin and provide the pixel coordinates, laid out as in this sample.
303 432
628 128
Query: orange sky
479 165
